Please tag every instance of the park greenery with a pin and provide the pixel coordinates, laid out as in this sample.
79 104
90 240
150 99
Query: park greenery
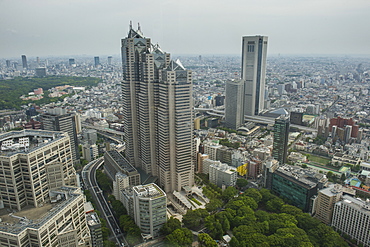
11 90
253 218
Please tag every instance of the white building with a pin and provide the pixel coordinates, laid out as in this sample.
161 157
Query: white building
352 217
222 174
150 207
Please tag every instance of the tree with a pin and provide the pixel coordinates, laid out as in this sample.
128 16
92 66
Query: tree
289 209
274 205
180 237
229 193
206 240
171 225
194 219
213 205
240 183
234 242
253 193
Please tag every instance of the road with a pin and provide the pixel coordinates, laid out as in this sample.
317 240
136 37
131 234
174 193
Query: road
89 178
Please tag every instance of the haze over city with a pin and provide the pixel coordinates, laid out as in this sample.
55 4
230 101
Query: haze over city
54 28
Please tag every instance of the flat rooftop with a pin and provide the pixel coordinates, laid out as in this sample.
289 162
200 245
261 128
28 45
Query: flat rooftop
13 221
26 141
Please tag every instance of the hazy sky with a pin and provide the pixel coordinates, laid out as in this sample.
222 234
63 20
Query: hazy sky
95 27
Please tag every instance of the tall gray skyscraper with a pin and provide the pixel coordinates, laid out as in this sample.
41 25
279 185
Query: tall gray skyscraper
234 107
67 123
96 61
281 135
254 50
158 112
24 62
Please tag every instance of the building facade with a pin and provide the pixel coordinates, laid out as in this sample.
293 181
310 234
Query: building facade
158 112
150 207
352 217
64 122
254 51
234 108
25 158
281 135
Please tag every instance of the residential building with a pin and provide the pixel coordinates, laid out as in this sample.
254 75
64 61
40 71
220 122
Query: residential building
352 217
120 183
158 112
90 151
326 198
234 107
222 174
254 51
281 135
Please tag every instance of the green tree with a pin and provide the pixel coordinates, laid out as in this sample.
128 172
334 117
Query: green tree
253 193
289 209
194 219
229 193
180 237
171 225
205 240
234 242
241 183
274 205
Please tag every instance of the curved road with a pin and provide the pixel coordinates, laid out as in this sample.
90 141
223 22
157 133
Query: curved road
89 178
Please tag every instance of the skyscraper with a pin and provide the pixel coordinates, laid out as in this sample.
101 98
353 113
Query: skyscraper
110 60
96 61
281 133
63 122
254 50
158 112
234 109
24 61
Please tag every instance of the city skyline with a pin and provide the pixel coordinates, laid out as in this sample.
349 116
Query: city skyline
45 28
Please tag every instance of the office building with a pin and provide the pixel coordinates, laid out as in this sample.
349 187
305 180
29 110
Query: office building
120 182
352 217
234 107
24 62
158 112
281 134
326 199
96 61
90 151
71 61
297 184
29 154
254 51
36 188
210 148
110 60
150 207
7 63
115 163
67 123
40 72
90 136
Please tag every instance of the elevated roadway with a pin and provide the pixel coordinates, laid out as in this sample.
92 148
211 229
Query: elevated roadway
89 178
255 119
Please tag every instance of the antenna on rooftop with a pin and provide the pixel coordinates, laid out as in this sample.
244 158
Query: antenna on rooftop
138 26
130 24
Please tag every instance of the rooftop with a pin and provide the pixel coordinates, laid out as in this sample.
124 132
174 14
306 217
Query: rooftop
149 190
31 217
26 141
304 175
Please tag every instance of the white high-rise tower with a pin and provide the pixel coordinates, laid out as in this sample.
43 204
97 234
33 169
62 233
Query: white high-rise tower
254 50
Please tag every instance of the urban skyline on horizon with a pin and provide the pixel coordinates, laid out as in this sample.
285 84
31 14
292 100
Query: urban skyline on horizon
56 29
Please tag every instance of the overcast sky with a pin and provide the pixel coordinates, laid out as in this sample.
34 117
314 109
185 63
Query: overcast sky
95 27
